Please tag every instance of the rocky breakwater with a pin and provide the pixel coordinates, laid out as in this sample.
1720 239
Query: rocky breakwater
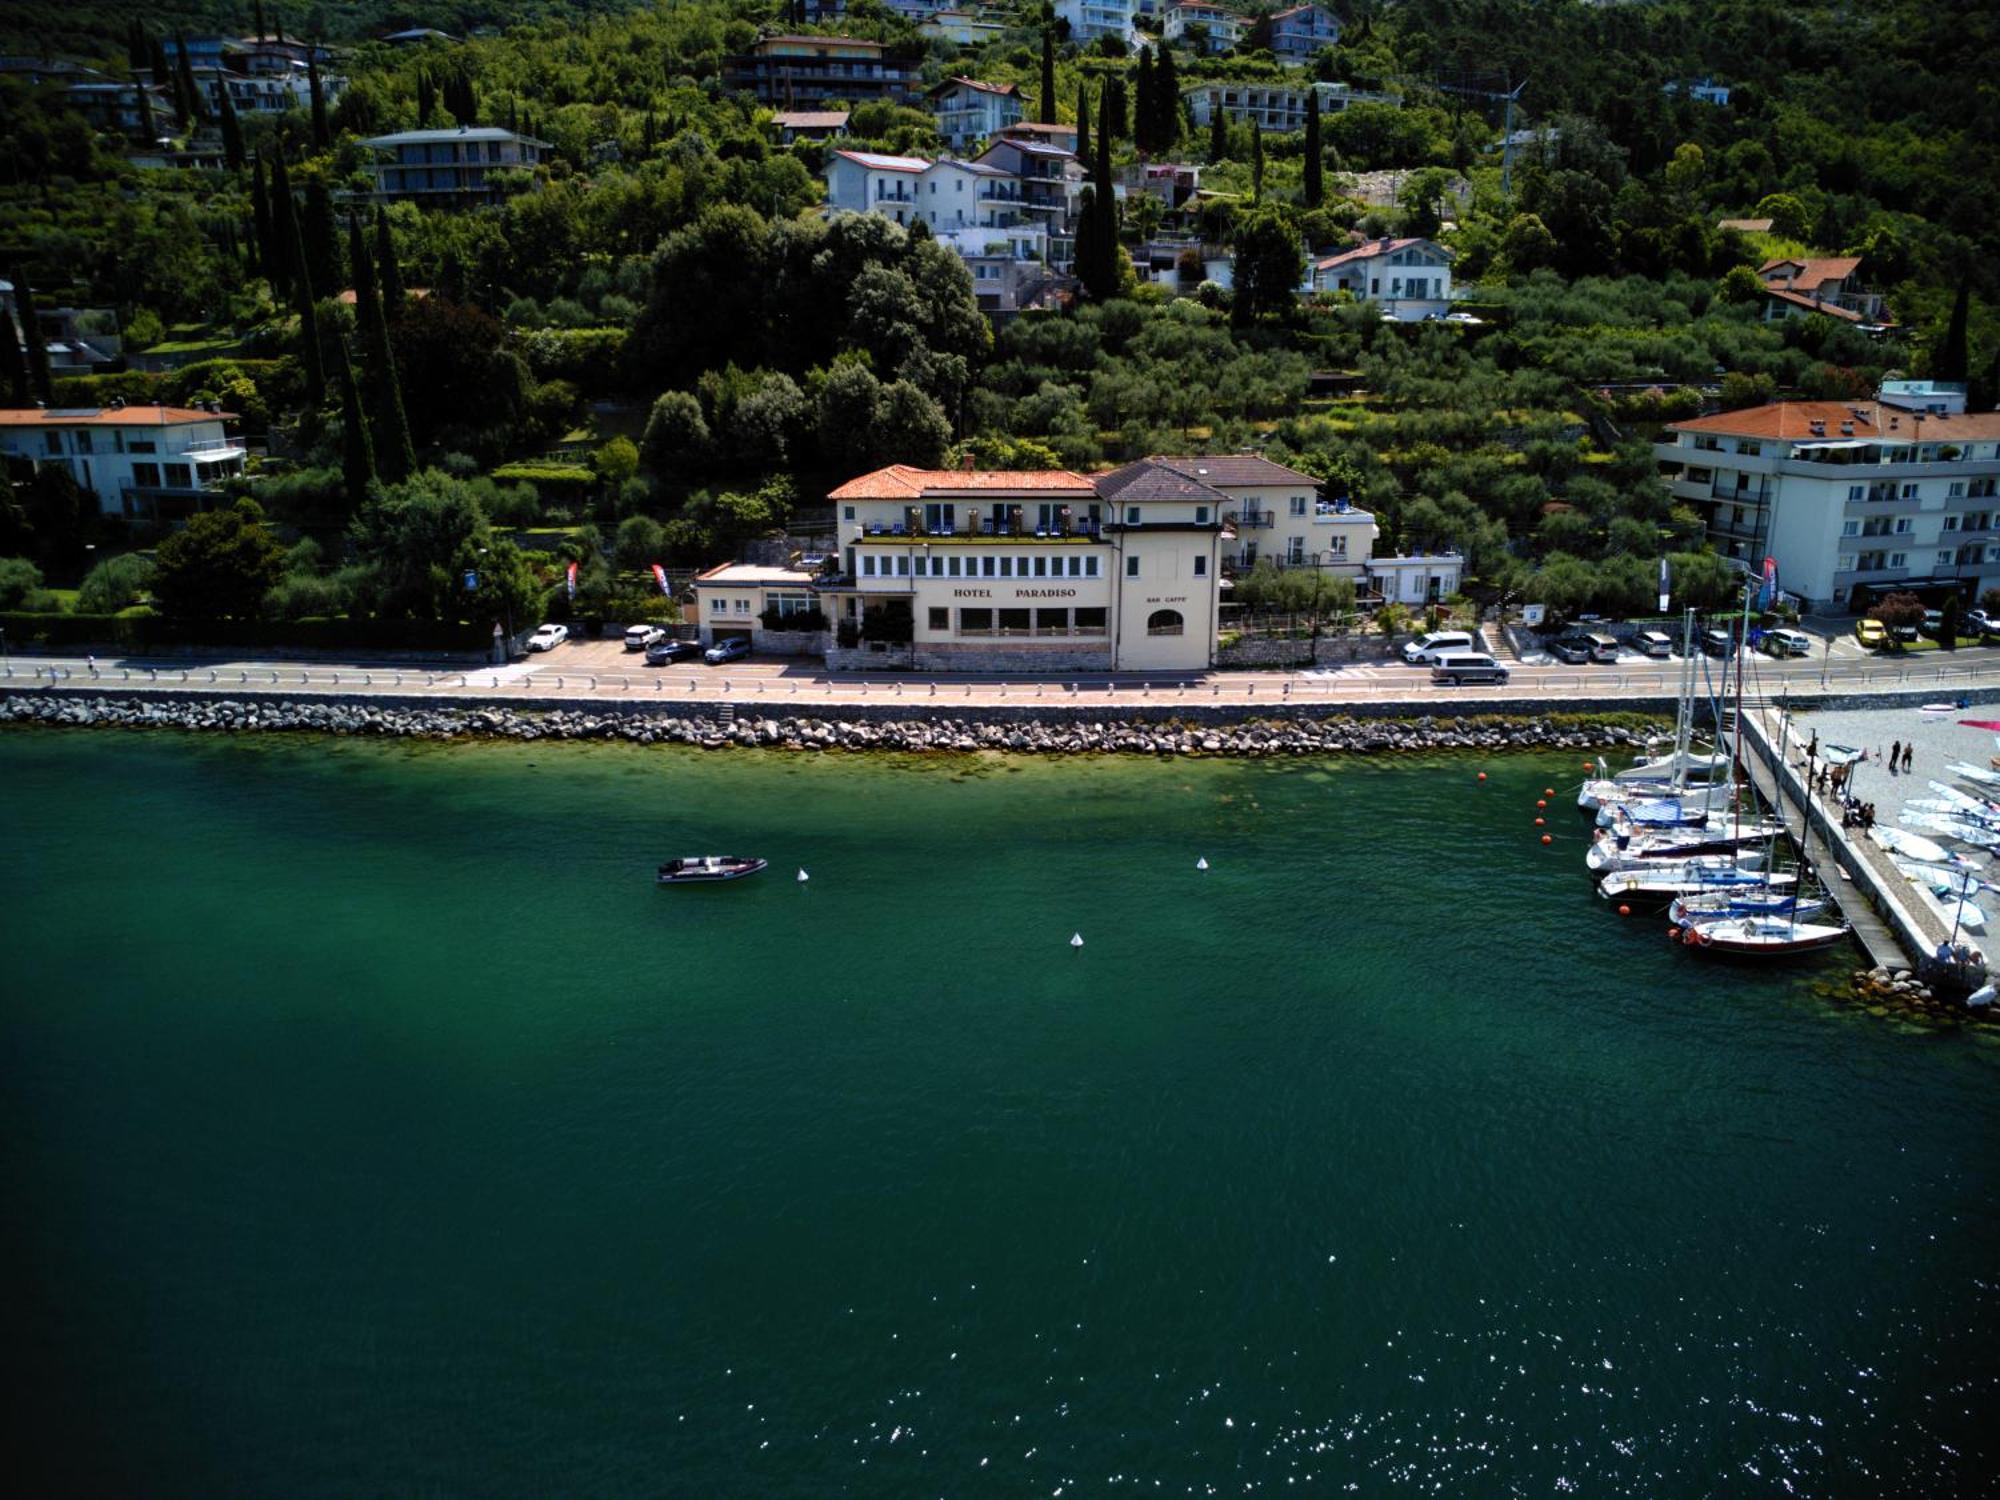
1249 737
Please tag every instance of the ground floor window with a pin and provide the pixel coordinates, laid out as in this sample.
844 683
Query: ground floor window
1092 621
975 622
1014 621
940 617
1164 622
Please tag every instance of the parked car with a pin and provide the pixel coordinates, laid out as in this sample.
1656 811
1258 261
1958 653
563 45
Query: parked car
667 650
1871 633
1427 648
639 637
1576 646
1653 643
548 637
1719 642
1787 643
730 648
1467 666
1982 622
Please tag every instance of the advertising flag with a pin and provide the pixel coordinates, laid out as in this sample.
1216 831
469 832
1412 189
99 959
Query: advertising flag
660 577
1666 583
1767 594
572 583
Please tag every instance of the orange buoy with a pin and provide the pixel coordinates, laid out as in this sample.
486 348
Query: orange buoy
1547 840
1540 803
1548 791
1482 775
1540 821
1624 911
1588 766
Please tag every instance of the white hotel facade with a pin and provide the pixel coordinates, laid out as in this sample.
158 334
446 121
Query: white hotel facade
143 463
1853 499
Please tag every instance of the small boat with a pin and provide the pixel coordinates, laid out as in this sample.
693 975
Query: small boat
1760 937
704 869
1974 773
1616 850
1659 807
1941 878
1936 711
1910 845
1595 796
1957 828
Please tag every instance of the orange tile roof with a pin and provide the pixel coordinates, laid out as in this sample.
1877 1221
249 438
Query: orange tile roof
1814 304
112 416
1791 421
902 482
1814 271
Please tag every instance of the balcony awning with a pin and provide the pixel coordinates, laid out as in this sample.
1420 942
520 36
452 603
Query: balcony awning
1819 443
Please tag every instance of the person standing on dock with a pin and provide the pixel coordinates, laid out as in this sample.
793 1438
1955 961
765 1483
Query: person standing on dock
1895 754
1909 754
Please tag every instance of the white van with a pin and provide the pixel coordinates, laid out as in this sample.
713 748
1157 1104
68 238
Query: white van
1470 666
639 637
1426 649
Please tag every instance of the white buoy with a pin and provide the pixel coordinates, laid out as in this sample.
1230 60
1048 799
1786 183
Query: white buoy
803 877
1076 940
1201 864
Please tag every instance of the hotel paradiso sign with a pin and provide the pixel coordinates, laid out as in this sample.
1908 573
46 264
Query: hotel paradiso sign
1017 592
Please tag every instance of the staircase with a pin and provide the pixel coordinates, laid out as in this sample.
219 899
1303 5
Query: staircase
1499 645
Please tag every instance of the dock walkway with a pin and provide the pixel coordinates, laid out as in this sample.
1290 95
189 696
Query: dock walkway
1870 892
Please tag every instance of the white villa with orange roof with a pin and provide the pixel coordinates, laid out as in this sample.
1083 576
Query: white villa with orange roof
1853 499
1819 284
968 111
1409 279
145 463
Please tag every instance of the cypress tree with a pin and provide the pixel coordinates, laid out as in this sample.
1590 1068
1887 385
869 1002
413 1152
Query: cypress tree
302 298
135 45
1218 134
390 428
277 23
260 216
385 263
357 453
1953 356
232 130
156 59
1166 103
31 334
1048 114
1082 122
426 96
322 240
1315 153
281 266
17 367
192 105
1144 109
1084 261
149 128
322 135
1111 109
1256 160
258 10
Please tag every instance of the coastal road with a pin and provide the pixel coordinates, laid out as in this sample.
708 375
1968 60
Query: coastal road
601 670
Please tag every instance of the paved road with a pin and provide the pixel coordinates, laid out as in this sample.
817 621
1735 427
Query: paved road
602 670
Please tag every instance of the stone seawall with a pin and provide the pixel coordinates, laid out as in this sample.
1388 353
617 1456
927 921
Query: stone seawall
1191 731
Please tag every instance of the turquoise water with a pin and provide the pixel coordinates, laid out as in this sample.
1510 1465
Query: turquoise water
372 1126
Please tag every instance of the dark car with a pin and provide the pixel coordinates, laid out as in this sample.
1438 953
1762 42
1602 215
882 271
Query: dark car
666 652
1718 642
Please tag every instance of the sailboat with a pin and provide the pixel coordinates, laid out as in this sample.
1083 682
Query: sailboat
1777 934
1658 884
1617 849
1750 902
1696 781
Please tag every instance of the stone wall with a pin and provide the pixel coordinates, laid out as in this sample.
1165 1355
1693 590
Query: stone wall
866 658
999 658
792 642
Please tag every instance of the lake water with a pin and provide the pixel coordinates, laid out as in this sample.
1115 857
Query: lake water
373 1126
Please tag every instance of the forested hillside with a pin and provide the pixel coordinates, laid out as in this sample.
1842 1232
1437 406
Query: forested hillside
657 331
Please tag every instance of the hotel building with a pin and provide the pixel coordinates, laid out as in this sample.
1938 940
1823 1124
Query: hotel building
1854 499
144 463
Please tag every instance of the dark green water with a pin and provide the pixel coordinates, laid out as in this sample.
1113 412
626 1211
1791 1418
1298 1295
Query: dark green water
373 1127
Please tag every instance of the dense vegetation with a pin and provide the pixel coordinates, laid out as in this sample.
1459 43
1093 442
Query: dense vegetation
669 263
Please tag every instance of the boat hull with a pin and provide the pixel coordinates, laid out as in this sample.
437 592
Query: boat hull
708 871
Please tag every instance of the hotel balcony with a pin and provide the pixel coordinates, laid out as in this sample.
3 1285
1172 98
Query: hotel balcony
1251 520
988 531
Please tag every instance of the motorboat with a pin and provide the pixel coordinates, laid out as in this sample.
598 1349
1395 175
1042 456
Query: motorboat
1760 936
705 869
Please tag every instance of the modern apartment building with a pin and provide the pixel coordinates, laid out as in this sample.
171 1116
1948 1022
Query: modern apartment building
1853 499
968 110
1275 106
1091 19
802 72
150 463
450 166
1297 33
1183 20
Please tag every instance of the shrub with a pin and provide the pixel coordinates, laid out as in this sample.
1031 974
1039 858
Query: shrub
18 579
114 584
